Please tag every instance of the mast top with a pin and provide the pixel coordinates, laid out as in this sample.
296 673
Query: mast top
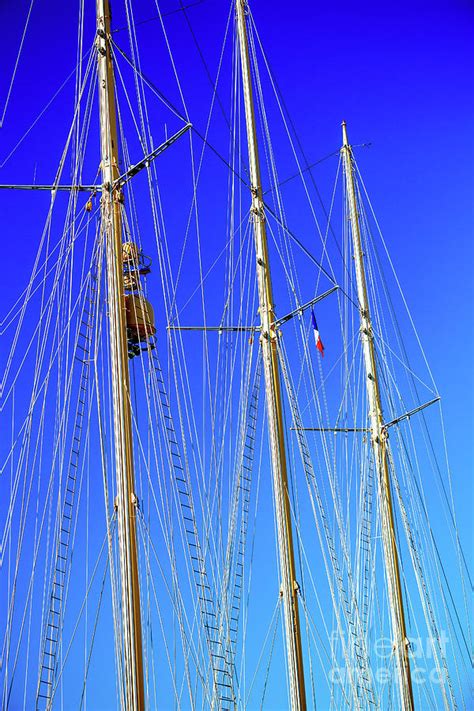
345 142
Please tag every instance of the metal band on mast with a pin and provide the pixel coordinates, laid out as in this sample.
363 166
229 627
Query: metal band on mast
131 642
268 339
379 444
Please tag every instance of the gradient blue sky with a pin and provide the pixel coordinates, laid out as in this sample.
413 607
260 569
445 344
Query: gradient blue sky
400 74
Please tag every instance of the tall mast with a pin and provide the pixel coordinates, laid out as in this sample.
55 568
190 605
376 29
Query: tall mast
131 641
269 337
379 444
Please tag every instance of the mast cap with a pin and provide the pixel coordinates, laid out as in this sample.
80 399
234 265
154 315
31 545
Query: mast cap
345 142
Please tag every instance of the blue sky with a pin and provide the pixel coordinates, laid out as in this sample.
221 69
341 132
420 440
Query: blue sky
400 74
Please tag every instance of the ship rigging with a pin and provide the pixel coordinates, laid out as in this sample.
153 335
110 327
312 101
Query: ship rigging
201 512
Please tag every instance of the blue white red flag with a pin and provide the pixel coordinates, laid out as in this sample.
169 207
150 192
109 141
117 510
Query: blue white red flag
317 337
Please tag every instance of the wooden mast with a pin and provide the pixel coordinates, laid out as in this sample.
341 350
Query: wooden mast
131 635
379 444
289 585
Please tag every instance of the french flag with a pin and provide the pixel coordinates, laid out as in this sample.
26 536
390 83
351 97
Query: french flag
317 337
